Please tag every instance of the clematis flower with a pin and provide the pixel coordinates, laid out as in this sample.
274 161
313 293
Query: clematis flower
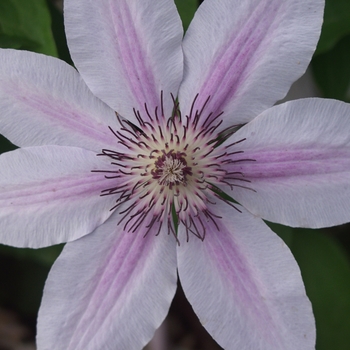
160 156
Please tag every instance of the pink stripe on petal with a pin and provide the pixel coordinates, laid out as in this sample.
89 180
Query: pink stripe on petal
293 163
299 166
245 286
234 61
244 55
58 114
127 51
46 102
111 289
48 195
131 53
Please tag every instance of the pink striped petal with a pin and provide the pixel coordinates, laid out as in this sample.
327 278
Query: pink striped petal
246 54
245 286
44 101
108 290
127 51
49 195
300 172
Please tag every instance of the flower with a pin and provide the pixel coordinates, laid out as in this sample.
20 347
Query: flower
129 159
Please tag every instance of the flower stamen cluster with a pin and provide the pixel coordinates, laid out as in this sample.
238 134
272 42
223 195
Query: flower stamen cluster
169 170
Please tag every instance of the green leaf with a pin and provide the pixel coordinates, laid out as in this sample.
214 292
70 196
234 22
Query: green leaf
59 33
6 145
336 24
44 256
326 273
26 25
186 9
332 71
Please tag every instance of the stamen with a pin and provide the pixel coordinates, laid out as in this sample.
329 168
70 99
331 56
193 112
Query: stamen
192 107
169 169
161 104
148 114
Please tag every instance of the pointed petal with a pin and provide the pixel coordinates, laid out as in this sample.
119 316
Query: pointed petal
246 54
300 173
108 290
44 101
127 51
49 195
245 286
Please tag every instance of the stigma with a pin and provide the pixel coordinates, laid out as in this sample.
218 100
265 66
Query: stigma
171 169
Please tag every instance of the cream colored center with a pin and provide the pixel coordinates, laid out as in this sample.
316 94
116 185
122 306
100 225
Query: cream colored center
172 171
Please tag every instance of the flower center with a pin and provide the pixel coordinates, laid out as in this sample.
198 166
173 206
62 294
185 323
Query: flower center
171 169
168 172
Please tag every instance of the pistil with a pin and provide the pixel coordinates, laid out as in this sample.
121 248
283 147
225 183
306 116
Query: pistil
171 169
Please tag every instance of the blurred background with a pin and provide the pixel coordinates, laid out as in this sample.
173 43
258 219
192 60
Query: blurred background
323 255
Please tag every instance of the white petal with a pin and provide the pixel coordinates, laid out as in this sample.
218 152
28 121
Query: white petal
300 173
127 51
49 195
245 286
44 101
246 54
109 290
